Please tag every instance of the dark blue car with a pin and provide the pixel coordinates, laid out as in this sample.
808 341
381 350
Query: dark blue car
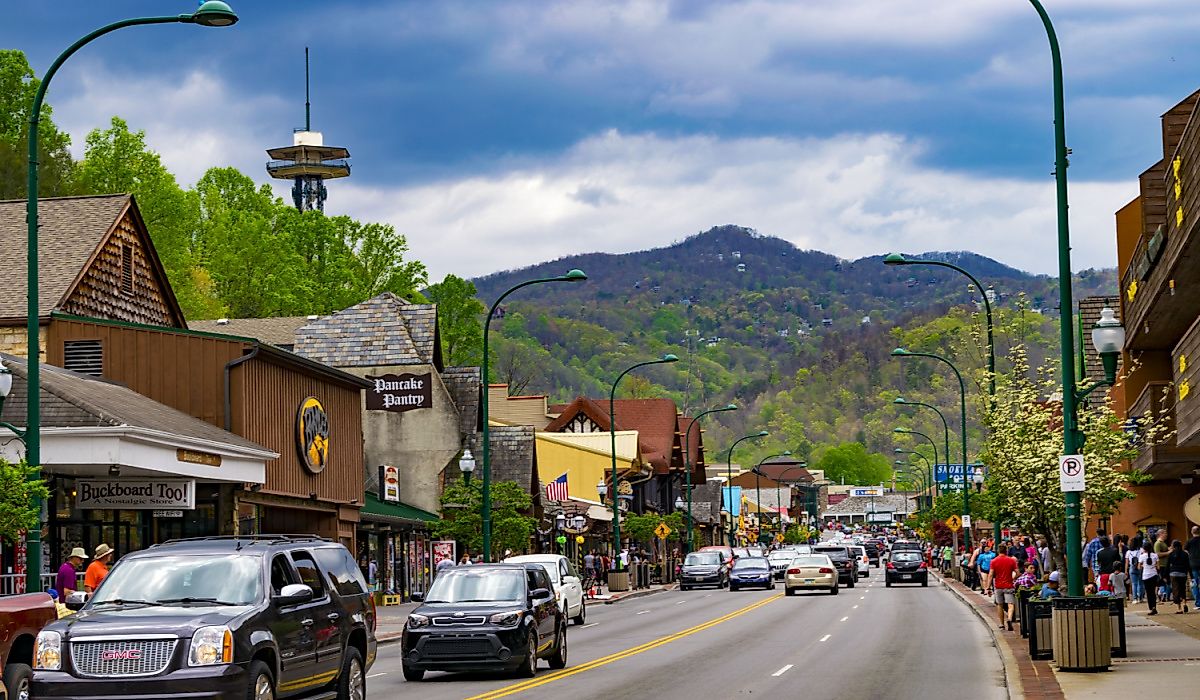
751 571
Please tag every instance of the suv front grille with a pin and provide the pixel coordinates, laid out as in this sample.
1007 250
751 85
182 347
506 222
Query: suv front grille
466 620
458 647
116 658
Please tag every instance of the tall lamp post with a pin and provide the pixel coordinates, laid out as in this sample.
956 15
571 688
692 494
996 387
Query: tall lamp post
962 403
612 434
210 14
687 461
915 470
900 401
729 480
758 486
906 431
486 507
779 480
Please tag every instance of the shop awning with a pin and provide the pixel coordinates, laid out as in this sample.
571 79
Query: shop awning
375 510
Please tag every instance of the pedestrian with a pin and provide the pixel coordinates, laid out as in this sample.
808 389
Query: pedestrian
1133 569
1193 551
1045 555
1119 581
442 565
67 581
589 564
466 559
1106 559
1050 588
98 569
1148 560
1001 570
984 562
947 559
1029 578
1178 566
1089 554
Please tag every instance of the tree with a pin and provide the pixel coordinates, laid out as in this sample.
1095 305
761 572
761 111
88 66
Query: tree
461 519
56 167
1024 444
460 319
17 493
851 461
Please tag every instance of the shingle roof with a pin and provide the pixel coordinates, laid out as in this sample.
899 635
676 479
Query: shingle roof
71 400
656 421
70 230
513 455
786 470
892 502
463 385
279 331
381 331
706 502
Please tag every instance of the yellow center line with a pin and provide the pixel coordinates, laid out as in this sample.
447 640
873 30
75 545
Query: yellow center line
605 660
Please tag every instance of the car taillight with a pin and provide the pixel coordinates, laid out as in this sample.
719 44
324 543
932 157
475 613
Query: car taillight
891 565
922 566
374 614
793 571
826 570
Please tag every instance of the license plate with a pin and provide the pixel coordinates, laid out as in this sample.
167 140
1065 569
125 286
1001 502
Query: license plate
810 580
906 576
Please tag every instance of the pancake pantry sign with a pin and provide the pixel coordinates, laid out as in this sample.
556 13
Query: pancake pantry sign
400 392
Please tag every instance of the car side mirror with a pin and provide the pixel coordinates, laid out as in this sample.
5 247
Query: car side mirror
416 596
539 593
76 600
294 594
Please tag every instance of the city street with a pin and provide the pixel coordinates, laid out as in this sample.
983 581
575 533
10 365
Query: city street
870 641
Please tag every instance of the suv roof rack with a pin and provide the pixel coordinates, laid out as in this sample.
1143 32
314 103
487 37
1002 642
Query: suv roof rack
266 539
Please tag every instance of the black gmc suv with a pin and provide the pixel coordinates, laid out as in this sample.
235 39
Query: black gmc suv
218 617
500 617
846 565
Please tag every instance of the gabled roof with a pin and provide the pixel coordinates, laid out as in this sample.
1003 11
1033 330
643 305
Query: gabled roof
463 385
385 330
656 421
786 470
71 231
279 331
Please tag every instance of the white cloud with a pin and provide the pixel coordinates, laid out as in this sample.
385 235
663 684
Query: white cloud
852 195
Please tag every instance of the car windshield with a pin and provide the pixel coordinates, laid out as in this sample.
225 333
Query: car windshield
472 585
217 579
749 563
781 556
906 556
839 553
811 560
702 559
739 552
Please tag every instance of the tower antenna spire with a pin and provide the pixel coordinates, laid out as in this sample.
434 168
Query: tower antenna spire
307 104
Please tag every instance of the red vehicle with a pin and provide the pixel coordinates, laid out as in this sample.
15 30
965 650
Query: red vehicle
21 618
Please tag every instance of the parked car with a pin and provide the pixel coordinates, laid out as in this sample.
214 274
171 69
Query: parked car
568 587
488 617
217 617
728 553
845 564
861 560
751 571
21 618
908 545
811 571
704 568
906 566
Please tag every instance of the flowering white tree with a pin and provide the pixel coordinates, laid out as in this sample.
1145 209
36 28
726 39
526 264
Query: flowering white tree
1024 443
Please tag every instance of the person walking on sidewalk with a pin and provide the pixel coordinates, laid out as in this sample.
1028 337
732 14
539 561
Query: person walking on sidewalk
1148 561
1134 571
984 562
1106 560
1178 567
1193 551
1119 581
1002 569
1089 554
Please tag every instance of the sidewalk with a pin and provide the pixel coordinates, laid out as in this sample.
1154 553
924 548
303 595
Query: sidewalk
1160 658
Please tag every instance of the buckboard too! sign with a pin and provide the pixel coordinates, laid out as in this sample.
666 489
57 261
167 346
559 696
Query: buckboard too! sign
135 494
400 392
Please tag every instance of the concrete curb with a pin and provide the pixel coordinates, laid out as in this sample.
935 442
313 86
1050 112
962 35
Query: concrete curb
1007 658
637 594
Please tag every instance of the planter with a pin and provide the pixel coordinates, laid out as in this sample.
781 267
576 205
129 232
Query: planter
1082 634
1039 614
1116 616
1024 595
618 581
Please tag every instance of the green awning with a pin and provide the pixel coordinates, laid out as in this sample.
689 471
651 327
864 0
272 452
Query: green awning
379 511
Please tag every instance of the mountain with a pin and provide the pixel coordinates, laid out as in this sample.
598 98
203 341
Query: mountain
752 317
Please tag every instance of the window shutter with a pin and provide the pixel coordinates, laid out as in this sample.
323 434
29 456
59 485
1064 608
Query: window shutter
84 356
127 269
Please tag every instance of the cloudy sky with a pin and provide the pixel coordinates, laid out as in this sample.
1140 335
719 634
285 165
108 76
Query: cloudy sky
499 133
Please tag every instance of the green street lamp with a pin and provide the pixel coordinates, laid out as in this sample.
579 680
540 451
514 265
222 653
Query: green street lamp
687 462
758 485
729 480
899 401
917 470
612 433
486 506
906 431
466 465
779 480
209 14
1072 439
962 399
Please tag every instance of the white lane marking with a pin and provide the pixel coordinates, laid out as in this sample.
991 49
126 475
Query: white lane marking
681 602
708 596
862 597
825 637
641 612
782 671
590 624
844 619
377 675
855 607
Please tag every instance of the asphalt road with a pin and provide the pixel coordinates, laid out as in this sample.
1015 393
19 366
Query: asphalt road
866 642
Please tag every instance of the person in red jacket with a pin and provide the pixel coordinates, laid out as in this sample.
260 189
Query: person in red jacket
1003 567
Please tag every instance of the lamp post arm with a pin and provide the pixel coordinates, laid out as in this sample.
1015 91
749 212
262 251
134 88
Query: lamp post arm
946 437
687 463
962 404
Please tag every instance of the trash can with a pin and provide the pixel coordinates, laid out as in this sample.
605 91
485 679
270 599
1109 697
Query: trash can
1082 634
1116 615
1039 614
618 581
1023 597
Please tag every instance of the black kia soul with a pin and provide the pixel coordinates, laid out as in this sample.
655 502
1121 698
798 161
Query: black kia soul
501 617
262 617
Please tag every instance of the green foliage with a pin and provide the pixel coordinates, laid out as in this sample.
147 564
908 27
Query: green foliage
460 319
56 167
851 461
461 519
17 492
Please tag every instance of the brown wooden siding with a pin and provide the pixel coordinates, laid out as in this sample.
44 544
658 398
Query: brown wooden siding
1185 359
1154 197
100 294
265 400
1174 122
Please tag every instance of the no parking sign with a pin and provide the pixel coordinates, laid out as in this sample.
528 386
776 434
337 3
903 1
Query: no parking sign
1070 473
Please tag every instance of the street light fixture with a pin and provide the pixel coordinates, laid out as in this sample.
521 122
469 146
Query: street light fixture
900 401
209 14
729 480
612 433
486 507
977 479
466 464
906 431
687 463
962 403
758 485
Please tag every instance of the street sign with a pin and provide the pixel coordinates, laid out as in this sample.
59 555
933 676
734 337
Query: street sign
1071 474
662 531
966 521
954 523
779 537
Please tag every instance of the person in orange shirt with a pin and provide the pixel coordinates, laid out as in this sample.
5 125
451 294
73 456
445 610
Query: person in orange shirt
98 569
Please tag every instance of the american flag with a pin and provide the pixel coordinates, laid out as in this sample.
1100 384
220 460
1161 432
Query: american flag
557 490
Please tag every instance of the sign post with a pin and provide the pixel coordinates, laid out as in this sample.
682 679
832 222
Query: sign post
1071 473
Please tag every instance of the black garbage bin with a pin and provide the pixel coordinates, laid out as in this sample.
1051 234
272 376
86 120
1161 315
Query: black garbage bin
1116 615
1023 596
1039 614
1082 633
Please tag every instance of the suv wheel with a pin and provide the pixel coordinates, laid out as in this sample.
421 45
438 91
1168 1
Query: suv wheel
352 682
529 666
582 616
559 660
413 674
16 681
262 686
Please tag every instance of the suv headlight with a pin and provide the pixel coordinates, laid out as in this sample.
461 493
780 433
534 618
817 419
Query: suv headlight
506 619
416 621
47 651
211 646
